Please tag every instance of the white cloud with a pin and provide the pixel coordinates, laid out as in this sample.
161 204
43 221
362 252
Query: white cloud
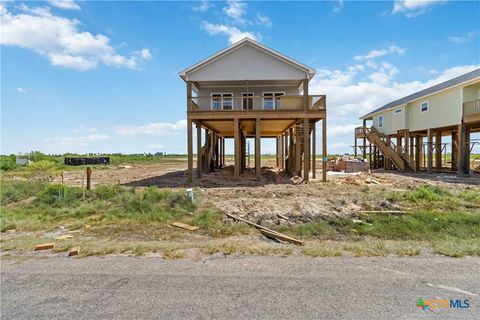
64 4
338 6
160 129
81 141
413 8
202 6
59 39
341 130
236 10
86 129
380 53
21 90
233 33
263 20
463 39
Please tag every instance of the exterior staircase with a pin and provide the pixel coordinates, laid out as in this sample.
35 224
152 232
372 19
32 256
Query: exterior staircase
387 149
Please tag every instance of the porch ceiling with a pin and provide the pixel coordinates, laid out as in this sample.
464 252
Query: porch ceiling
251 83
268 128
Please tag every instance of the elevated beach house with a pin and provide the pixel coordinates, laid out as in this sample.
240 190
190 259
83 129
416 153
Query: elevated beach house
430 130
250 91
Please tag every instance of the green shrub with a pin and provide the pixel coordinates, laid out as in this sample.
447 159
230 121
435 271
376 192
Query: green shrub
16 190
43 170
7 162
58 195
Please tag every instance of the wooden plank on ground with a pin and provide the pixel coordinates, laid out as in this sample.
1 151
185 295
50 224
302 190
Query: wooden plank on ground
74 251
185 226
268 232
45 246
282 237
380 211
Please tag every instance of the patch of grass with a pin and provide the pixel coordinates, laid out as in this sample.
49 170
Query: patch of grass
211 221
71 207
12 191
456 247
321 251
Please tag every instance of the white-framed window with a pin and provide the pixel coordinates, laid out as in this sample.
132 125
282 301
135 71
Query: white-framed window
271 100
380 121
221 101
247 103
398 111
424 106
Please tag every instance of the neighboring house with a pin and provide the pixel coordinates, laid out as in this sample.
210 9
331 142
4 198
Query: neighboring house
418 123
250 91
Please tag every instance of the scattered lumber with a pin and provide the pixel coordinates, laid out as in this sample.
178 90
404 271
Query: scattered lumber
381 211
282 216
74 251
45 246
185 226
268 232
64 237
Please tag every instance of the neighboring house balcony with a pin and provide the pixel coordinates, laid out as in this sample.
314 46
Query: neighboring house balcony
471 111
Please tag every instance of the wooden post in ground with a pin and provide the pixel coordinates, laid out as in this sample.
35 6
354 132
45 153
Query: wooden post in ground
438 150
454 150
223 151
190 150
429 150
298 151
287 150
418 152
386 163
89 178
364 140
277 153
461 146
291 155
355 147
258 169
314 150
324 149
237 152
407 145
282 152
306 149
467 149
199 150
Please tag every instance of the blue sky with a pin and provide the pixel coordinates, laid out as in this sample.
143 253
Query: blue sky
103 76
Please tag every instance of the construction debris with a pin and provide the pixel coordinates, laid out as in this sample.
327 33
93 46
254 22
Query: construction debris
74 251
45 246
380 211
185 226
64 237
282 216
268 232
347 164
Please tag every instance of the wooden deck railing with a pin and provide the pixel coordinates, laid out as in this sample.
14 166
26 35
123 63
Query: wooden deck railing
286 102
471 107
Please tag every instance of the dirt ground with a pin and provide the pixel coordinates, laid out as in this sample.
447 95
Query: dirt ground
277 194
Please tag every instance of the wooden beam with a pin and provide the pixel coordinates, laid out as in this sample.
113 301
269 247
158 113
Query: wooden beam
199 150
306 149
314 150
237 153
429 150
258 166
364 141
324 149
298 152
282 152
190 151
461 166
438 150
253 114
305 94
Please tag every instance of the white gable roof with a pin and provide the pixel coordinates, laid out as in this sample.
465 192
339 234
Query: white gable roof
247 60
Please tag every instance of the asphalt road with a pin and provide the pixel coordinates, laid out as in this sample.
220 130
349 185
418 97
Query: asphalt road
237 288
